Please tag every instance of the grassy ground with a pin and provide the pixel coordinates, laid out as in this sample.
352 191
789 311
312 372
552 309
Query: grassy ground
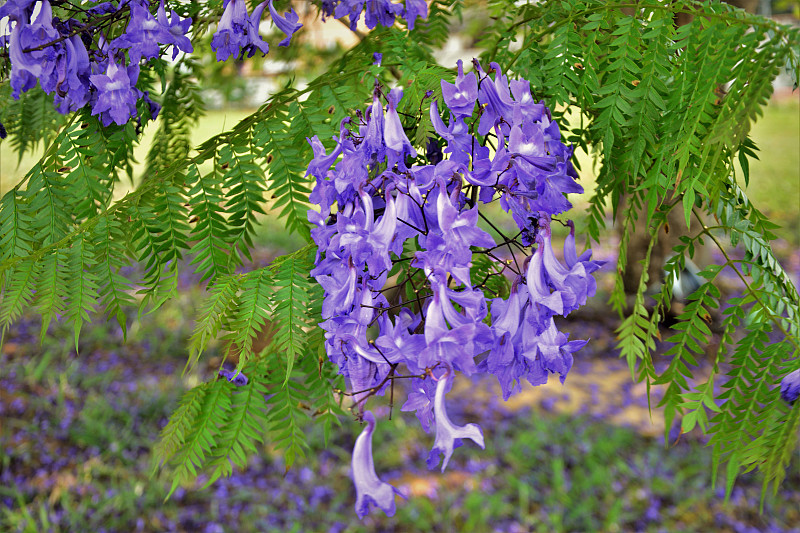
76 433
775 177
77 430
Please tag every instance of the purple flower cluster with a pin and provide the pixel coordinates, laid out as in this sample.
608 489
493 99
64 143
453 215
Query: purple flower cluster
376 12
63 57
397 234
237 32
81 62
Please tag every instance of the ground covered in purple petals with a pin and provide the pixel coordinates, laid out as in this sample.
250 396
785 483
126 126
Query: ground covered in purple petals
77 430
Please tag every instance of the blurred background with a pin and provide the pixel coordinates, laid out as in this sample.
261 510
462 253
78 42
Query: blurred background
76 430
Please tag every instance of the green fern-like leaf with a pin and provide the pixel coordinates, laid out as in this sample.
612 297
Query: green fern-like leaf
201 431
290 305
242 431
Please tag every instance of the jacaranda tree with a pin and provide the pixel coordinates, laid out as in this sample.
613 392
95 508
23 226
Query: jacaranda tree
393 168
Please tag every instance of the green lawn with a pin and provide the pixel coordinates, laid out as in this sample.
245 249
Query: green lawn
775 177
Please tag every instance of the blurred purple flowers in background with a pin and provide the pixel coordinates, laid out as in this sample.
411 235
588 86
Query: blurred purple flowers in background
790 387
236 377
398 239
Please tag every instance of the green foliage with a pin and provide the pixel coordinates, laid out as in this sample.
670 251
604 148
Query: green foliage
666 109
669 109
181 107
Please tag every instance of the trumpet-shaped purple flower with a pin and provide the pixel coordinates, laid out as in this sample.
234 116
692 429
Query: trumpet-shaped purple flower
72 81
449 435
345 8
373 143
177 28
504 359
27 67
790 387
287 24
25 70
453 346
460 228
459 140
575 284
420 400
18 10
116 94
143 34
553 353
525 109
397 144
461 96
496 98
414 9
381 12
322 161
369 488
398 341
571 284
538 288
340 288
571 259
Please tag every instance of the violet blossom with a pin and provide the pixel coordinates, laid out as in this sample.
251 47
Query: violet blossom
370 490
